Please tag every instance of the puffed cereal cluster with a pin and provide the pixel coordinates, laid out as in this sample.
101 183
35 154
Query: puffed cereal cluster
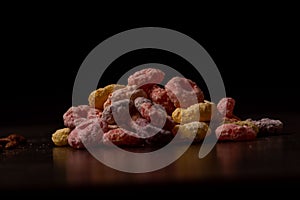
145 113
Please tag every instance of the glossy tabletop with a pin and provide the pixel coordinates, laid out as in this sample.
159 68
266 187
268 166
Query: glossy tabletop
266 161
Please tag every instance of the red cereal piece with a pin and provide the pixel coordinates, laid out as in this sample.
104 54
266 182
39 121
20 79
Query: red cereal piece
234 132
160 96
89 133
146 76
122 137
183 92
147 88
144 108
138 93
153 113
226 107
75 115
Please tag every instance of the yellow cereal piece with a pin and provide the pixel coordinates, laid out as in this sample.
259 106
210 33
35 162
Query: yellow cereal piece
60 137
196 130
98 97
247 123
202 112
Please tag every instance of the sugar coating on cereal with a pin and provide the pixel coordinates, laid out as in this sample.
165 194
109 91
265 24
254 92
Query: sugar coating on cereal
146 113
60 136
268 125
118 111
234 132
183 92
94 113
197 112
193 131
128 92
74 140
226 106
88 133
247 123
74 115
160 96
146 76
97 97
154 113
121 137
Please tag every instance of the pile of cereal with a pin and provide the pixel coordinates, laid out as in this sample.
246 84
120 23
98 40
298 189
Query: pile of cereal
145 113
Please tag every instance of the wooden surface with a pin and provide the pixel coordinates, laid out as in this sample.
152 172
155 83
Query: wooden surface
272 161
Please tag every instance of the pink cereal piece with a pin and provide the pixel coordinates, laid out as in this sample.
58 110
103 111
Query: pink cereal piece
144 133
233 132
128 92
74 141
153 113
138 102
160 96
94 113
89 133
121 137
118 112
183 92
226 107
146 76
74 114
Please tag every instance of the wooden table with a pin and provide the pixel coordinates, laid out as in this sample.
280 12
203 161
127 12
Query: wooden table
267 162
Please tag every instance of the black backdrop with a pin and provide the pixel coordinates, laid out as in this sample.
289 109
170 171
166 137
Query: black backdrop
41 56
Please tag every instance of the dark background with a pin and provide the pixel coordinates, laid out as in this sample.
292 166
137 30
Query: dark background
41 54
254 47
